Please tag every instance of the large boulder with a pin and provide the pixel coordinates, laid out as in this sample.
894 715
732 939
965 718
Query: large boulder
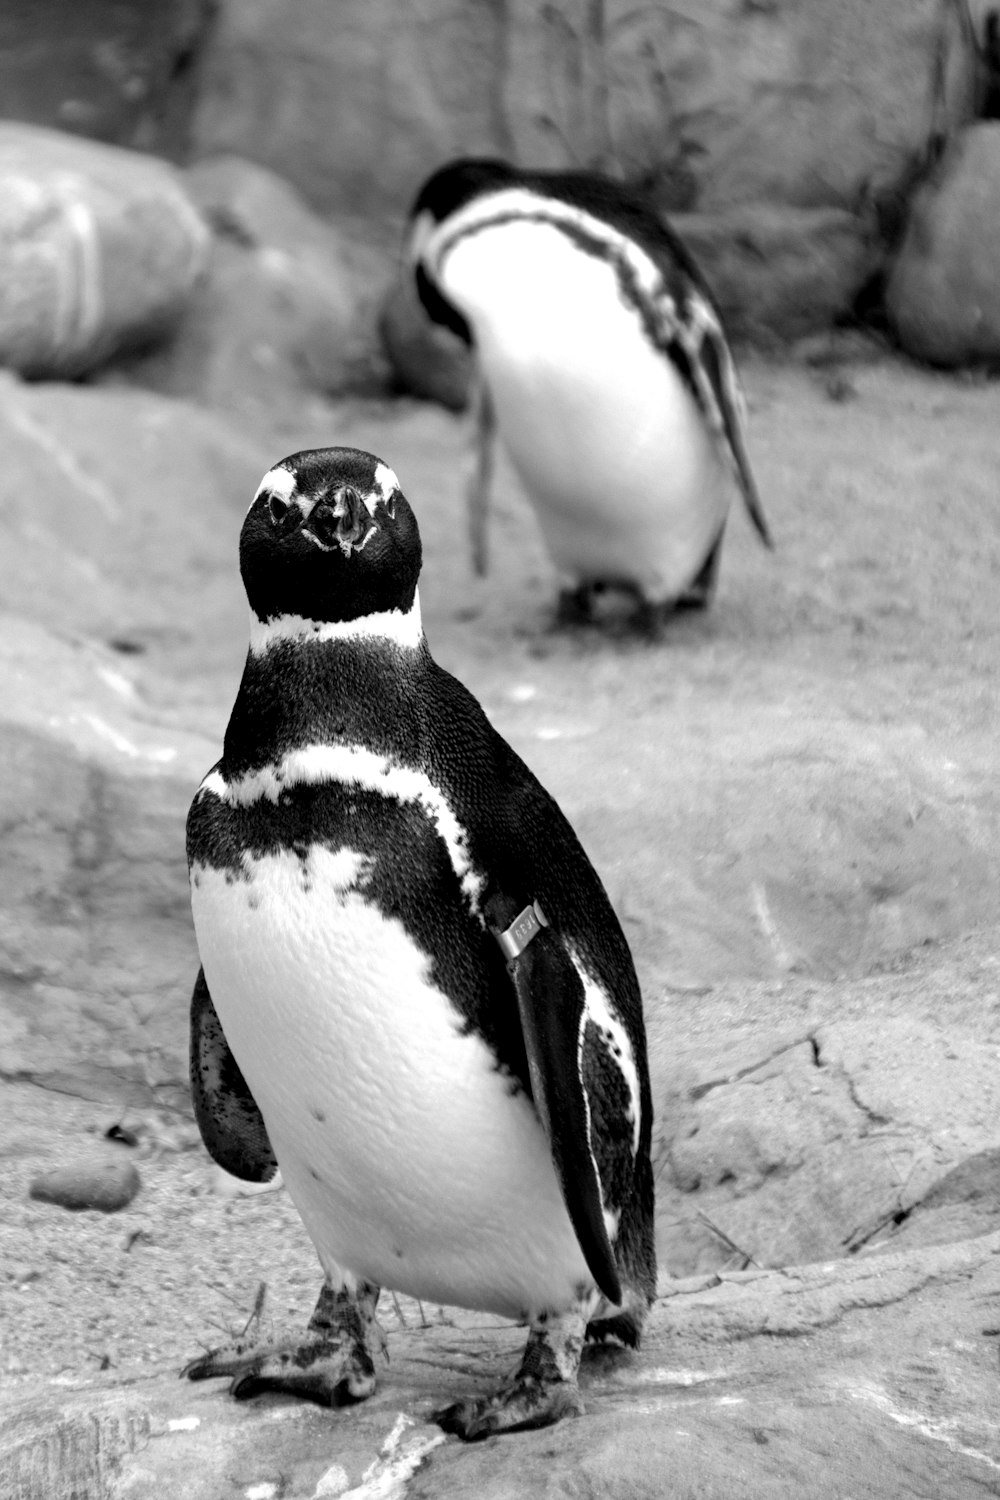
96 949
781 272
119 517
120 73
288 303
787 129
99 250
943 291
713 104
114 506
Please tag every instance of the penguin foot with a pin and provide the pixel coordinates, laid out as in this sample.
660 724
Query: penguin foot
574 606
620 609
543 1391
334 1363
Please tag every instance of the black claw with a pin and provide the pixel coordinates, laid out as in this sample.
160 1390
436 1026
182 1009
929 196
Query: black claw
243 1387
519 1407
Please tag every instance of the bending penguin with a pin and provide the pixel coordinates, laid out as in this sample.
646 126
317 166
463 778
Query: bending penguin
415 998
603 365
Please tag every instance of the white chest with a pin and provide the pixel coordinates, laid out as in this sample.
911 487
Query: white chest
609 443
411 1161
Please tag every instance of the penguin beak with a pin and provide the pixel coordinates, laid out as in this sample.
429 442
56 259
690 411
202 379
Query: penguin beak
340 520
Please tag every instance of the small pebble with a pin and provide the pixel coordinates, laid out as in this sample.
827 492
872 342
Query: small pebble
104 1185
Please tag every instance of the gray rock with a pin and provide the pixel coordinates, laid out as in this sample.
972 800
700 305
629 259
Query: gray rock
865 1378
817 105
428 360
111 501
943 292
105 1185
780 272
112 505
288 304
99 252
120 73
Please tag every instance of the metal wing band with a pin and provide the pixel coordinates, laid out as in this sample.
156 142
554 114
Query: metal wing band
526 925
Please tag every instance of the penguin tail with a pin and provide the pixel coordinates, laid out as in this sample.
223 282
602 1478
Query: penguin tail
635 1254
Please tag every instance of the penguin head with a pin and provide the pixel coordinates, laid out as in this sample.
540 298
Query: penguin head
455 184
446 191
329 537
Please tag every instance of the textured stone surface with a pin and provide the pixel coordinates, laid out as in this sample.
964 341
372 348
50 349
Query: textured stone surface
112 506
818 104
789 130
99 250
943 293
870 1378
288 303
427 359
778 271
105 68
106 1184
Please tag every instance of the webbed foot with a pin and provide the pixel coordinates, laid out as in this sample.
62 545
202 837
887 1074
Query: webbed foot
574 606
333 1364
543 1391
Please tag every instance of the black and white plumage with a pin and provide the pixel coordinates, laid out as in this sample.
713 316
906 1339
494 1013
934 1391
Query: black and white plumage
415 998
604 367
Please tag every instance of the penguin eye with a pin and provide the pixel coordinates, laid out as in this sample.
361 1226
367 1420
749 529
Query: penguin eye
277 507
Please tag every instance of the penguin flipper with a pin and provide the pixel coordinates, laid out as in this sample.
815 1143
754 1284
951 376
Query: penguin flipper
694 335
231 1125
478 495
552 1006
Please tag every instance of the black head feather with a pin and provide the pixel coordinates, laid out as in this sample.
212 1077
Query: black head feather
334 541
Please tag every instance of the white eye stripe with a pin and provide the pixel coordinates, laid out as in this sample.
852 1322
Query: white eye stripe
280 482
284 484
386 482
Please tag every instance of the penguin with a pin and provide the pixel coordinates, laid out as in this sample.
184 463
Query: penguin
603 367
415 999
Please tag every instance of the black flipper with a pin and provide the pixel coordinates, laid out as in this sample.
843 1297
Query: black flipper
692 333
481 481
231 1125
551 1002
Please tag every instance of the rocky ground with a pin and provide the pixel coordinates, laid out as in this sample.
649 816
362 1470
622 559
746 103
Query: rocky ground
792 801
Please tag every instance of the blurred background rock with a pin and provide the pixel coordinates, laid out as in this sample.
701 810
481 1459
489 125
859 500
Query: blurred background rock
788 139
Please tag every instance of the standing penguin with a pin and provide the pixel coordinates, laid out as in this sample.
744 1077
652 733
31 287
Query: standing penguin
604 366
415 997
